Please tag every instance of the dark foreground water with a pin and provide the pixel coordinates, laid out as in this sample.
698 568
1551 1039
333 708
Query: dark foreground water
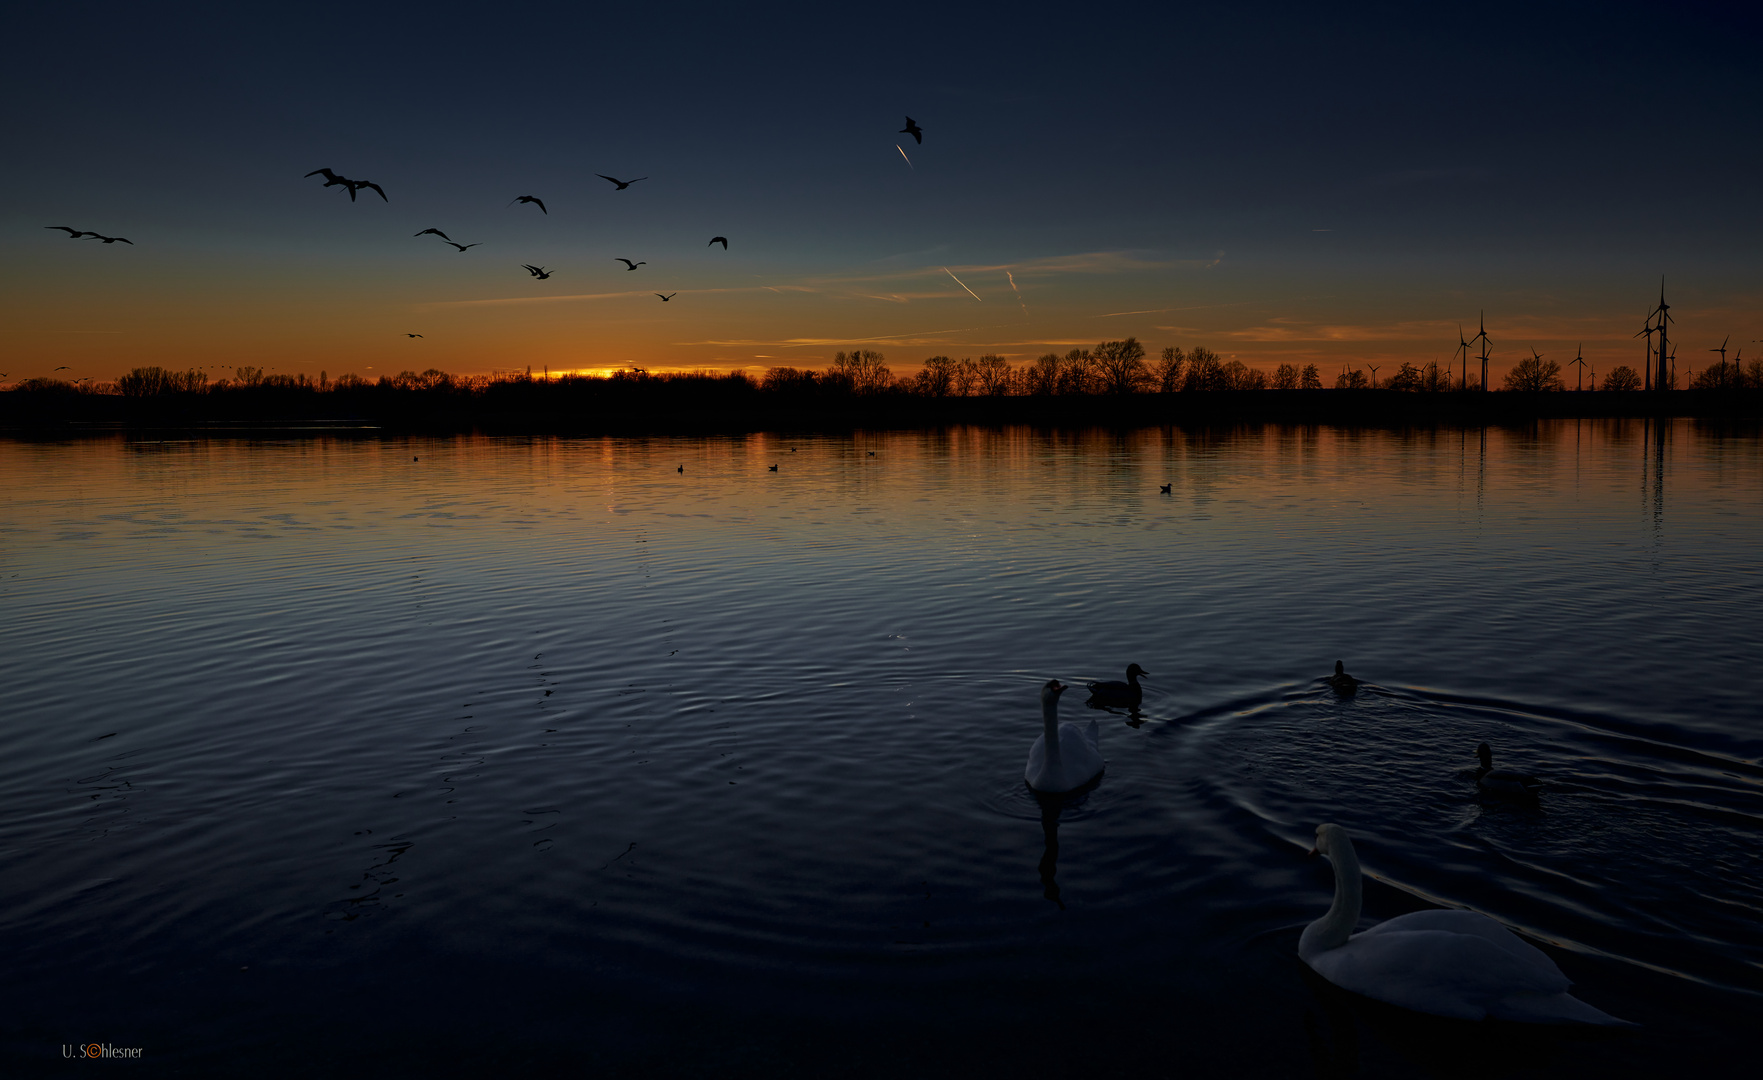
492 757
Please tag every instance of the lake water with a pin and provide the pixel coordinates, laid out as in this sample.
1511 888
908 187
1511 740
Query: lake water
485 756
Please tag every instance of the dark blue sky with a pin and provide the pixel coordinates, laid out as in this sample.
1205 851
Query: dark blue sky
1280 182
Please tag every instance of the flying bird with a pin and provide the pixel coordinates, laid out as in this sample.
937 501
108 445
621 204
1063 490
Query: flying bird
438 233
72 233
114 239
622 184
462 247
412 335
723 240
535 200
331 179
62 368
912 129
668 297
537 271
632 265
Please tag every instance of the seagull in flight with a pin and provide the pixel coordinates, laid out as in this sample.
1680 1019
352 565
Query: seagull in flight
462 247
723 240
114 239
669 296
63 367
437 232
535 200
537 271
331 179
72 233
632 265
912 129
412 335
622 184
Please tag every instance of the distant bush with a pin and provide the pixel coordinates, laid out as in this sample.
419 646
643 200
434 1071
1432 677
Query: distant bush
1310 378
1205 371
994 375
1120 366
1167 373
153 381
1622 378
1285 377
862 370
1533 373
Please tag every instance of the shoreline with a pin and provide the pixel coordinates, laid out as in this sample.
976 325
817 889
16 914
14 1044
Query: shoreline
557 413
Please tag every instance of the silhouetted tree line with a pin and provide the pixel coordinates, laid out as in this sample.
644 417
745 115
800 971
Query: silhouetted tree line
1121 383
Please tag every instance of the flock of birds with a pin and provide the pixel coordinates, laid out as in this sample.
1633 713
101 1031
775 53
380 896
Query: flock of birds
539 273
1443 962
334 179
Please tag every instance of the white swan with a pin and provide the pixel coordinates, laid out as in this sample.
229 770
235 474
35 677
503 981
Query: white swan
1459 964
1065 757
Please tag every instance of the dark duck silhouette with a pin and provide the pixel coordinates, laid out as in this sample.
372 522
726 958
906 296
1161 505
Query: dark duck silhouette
1165 488
1509 785
913 130
1119 693
1342 682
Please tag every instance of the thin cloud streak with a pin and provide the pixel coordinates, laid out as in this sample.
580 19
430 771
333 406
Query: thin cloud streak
963 284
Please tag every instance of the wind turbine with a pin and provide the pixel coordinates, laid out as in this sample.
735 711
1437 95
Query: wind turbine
1482 336
1663 312
1722 352
1373 368
1580 360
1647 368
1462 347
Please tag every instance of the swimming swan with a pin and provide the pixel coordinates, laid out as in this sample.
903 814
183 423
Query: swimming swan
1065 757
1500 782
1120 693
1459 964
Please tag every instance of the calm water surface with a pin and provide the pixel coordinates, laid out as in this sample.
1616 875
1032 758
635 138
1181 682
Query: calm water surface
482 756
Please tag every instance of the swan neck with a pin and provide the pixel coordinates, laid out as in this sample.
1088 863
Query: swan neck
1050 726
1333 929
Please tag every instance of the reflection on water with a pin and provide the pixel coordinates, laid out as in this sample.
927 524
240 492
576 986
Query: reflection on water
724 765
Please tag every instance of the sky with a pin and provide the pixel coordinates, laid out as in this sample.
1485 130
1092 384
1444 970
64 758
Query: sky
1277 183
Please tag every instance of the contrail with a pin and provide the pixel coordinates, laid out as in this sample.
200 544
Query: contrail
963 284
909 164
1016 290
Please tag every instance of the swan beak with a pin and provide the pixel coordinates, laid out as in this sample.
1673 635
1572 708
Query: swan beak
1312 853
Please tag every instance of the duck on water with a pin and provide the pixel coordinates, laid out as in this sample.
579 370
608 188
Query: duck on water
1342 682
1509 785
1444 962
1120 693
1065 757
